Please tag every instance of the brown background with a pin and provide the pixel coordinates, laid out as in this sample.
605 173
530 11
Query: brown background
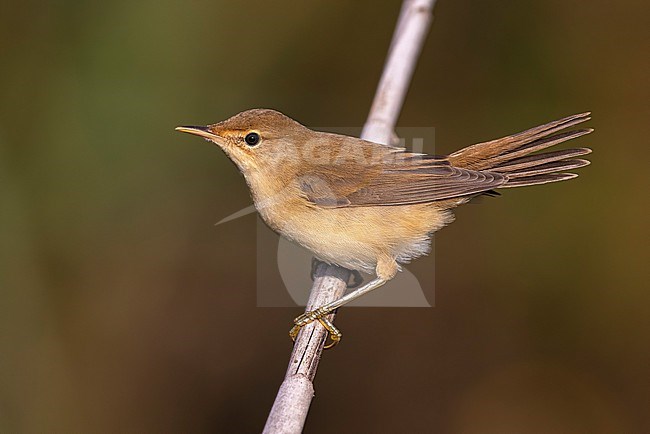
124 308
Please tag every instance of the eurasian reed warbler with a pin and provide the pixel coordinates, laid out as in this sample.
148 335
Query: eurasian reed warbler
369 207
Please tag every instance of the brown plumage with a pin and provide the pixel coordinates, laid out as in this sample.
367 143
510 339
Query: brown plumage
369 207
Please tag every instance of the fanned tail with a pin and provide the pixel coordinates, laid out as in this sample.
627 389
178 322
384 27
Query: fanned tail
514 155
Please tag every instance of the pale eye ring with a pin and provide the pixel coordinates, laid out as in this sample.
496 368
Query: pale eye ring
252 139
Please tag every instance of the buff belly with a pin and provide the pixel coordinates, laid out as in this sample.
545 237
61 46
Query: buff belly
344 236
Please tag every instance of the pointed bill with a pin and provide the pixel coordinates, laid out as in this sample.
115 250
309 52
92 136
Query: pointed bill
197 131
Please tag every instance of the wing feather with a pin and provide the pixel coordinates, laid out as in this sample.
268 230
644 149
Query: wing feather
408 178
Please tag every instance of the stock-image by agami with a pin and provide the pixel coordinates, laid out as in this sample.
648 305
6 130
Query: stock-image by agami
219 217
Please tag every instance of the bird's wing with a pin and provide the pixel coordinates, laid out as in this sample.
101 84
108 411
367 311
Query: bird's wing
406 178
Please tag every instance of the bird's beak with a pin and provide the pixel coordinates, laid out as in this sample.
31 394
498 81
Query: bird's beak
198 131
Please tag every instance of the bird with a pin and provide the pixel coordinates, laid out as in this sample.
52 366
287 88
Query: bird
371 207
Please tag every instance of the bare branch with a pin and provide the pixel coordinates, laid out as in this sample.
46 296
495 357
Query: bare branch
292 402
412 27
297 390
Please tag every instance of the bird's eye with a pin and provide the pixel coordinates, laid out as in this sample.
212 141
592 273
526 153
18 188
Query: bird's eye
252 139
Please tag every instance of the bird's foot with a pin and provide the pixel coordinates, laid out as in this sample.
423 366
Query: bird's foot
316 315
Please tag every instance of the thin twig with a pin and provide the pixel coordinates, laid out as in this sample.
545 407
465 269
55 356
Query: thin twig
412 27
294 397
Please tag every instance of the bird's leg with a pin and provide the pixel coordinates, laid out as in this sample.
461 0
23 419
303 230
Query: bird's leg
386 269
320 313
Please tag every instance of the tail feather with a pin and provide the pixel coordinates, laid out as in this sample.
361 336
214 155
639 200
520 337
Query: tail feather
533 146
513 155
539 179
554 167
534 160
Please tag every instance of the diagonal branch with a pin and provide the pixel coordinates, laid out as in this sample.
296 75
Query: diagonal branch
294 397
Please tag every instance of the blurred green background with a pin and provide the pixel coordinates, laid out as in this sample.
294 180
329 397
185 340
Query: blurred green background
123 308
